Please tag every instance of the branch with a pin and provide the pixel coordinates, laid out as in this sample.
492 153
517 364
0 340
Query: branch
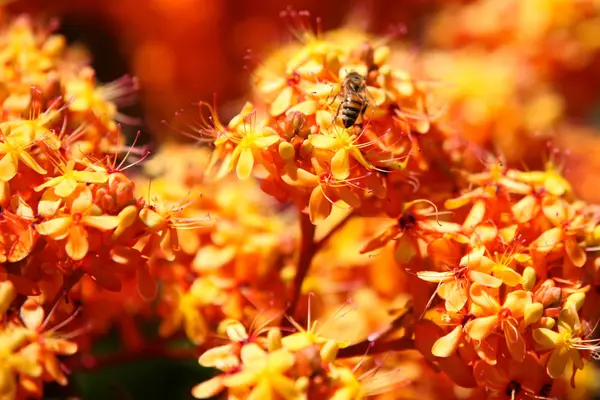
157 349
367 346
308 249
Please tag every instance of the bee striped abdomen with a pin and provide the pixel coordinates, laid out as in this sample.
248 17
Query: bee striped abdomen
351 109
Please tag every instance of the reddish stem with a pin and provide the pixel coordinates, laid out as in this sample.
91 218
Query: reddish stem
308 248
366 346
159 349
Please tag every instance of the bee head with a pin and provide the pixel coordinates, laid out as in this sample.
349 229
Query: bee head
355 79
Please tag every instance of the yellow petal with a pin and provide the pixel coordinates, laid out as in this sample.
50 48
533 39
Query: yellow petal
480 328
455 294
245 163
517 301
308 107
77 244
211 357
575 252
150 218
8 167
319 207
49 203
557 362
65 187
240 379
568 319
545 337
323 142
266 141
447 345
261 391
435 276
282 102
507 275
209 388
484 279
547 241
480 296
340 165
90 177
31 163
54 227
285 387
101 222
252 353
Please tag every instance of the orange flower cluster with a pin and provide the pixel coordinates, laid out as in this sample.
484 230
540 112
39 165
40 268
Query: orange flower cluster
508 257
515 70
429 280
67 210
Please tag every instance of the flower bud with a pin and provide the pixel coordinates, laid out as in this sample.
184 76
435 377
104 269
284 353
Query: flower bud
547 322
596 234
306 149
547 294
529 278
7 295
274 339
329 351
533 313
287 151
575 299
295 125
302 384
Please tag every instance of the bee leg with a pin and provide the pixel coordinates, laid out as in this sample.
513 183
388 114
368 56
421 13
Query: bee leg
337 112
334 97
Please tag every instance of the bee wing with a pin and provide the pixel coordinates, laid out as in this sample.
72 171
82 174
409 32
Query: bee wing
374 96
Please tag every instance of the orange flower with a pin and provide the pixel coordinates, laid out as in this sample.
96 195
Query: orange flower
568 224
66 183
72 226
453 285
507 315
15 148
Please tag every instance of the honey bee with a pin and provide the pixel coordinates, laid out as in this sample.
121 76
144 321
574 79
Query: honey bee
354 103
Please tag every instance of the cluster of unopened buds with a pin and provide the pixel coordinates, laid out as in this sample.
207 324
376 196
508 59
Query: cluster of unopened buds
488 276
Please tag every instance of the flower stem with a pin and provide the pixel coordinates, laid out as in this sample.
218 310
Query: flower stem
308 248
366 346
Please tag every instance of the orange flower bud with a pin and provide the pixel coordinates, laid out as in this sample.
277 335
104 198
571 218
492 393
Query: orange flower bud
575 299
547 294
529 278
287 151
329 351
274 339
7 295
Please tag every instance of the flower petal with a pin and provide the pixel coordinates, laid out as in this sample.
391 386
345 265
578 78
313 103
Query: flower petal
557 362
245 163
101 222
480 328
340 165
319 207
77 244
447 345
209 388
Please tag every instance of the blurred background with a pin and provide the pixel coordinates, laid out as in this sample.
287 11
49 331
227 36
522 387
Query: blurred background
521 69
517 72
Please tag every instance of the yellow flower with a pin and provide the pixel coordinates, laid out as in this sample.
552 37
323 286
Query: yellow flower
14 147
83 213
65 184
12 363
565 344
349 386
344 145
265 372
249 139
